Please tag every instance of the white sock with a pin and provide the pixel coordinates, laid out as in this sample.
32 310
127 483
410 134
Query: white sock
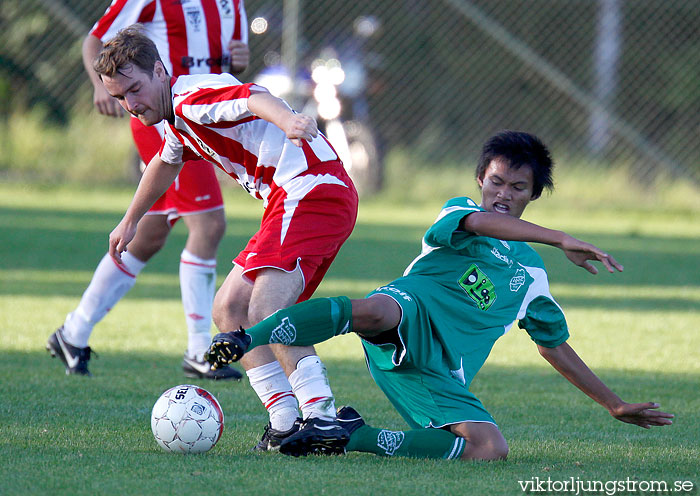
197 286
311 387
109 284
272 387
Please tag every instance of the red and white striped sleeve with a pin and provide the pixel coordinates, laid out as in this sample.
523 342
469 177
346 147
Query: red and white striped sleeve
122 14
220 104
173 150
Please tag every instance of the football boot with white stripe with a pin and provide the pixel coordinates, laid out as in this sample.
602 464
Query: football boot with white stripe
316 437
350 419
75 359
272 438
203 370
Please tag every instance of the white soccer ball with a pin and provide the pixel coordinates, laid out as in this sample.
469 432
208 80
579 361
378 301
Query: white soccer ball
187 419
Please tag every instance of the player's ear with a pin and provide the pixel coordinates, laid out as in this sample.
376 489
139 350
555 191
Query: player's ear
159 70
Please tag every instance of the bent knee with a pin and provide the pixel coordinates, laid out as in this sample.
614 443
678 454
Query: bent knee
228 314
484 441
145 246
497 450
491 450
374 315
207 228
215 228
219 314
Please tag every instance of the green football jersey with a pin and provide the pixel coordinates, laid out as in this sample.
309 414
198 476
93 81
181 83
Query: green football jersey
471 290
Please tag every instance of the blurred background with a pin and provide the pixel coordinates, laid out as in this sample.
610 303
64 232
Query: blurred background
401 87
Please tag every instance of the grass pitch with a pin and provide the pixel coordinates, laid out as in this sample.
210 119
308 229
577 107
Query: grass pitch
72 435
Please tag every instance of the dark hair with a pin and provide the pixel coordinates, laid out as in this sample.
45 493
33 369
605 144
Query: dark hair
518 149
129 46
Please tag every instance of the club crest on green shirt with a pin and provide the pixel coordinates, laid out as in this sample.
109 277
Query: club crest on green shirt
478 287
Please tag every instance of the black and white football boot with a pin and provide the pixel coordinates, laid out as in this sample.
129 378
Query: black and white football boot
316 437
350 419
75 359
272 438
203 370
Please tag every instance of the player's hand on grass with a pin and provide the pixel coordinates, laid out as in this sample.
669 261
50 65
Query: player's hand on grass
119 238
581 253
644 415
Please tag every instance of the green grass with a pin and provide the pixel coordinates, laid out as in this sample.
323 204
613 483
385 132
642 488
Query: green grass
71 435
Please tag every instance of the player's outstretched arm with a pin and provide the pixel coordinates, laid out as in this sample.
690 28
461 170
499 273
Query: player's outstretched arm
565 360
155 181
510 228
580 253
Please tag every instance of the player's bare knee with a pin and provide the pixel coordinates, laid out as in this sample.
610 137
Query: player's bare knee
227 313
497 449
374 315
215 228
484 441
485 451
218 313
258 313
145 246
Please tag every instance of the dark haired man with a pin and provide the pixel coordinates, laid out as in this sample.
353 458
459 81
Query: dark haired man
427 334
310 204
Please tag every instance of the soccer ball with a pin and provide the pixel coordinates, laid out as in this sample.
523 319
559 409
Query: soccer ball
187 419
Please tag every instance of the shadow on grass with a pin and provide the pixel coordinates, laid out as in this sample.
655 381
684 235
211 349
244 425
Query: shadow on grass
522 396
44 240
100 427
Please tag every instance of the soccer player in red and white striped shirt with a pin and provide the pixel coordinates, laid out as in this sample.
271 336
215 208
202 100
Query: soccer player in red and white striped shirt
193 37
277 156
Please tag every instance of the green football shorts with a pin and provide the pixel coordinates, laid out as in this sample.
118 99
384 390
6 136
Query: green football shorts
410 368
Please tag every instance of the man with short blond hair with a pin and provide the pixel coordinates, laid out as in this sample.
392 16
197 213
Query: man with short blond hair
279 157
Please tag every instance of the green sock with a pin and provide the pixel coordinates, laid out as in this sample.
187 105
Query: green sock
416 443
304 324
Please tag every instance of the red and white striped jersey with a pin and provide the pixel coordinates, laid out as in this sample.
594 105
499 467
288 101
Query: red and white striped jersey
191 35
212 121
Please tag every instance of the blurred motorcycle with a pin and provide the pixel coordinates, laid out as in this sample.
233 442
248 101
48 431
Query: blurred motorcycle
331 89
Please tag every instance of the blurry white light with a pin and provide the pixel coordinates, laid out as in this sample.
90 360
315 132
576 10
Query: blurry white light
317 63
277 84
319 74
272 58
336 135
331 63
336 75
329 109
366 26
324 92
259 25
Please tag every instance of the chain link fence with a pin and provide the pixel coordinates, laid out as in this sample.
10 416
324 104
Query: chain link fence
608 82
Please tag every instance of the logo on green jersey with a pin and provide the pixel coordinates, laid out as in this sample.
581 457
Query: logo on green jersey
478 286
517 281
